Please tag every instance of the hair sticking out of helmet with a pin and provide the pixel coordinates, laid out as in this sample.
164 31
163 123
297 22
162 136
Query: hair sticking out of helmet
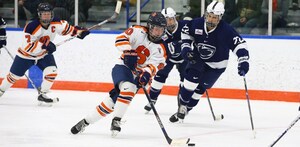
45 7
156 24
170 15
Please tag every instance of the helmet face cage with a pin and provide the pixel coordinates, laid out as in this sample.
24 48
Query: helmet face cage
156 23
211 24
155 37
45 7
172 26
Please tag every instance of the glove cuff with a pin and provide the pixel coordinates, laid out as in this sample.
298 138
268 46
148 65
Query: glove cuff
3 37
130 52
243 59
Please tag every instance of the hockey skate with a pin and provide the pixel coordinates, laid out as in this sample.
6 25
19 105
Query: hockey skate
148 107
174 118
44 100
1 92
115 126
180 115
79 127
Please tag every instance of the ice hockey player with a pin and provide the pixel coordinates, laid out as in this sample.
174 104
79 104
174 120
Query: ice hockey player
173 40
37 49
143 55
206 43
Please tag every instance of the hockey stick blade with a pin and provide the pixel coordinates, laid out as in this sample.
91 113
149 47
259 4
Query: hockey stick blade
179 142
175 142
114 16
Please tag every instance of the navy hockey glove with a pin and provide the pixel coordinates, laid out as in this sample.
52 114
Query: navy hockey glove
188 55
130 59
243 65
2 42
50 47
84 32
144 78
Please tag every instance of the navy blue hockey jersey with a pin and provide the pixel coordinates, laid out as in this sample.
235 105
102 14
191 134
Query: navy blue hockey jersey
173 41
212 47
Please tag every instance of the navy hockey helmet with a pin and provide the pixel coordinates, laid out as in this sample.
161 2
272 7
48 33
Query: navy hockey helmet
156 24
45 7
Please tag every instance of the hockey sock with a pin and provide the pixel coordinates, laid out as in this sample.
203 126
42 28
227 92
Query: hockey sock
105 108
122 103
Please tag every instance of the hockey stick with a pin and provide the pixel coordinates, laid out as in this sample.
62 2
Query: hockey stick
249 107
290 126
218 117
116 13
175 142
30 81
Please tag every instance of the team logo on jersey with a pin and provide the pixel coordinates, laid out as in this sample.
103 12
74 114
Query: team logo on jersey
185 29
206 51
198 31
164 37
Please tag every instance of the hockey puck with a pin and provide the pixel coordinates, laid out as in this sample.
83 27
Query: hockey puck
220 117
192 144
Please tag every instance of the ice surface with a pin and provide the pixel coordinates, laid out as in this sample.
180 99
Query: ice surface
24 123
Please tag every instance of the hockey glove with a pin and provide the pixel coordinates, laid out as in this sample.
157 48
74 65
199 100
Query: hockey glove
144 78
2 43
130 59
188 55
2 37
49 46
243 65
81 32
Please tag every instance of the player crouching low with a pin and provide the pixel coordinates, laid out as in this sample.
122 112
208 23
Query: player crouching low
37 49
143 55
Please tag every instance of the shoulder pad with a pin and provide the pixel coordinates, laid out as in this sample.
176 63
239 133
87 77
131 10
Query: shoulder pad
30 27
55 19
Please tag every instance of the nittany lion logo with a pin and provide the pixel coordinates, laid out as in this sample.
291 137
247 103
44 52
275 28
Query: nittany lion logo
206 51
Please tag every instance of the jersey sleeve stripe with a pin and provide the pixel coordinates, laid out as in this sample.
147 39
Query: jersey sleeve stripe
34 47
37 29
66 30
122 44
164 50
29 47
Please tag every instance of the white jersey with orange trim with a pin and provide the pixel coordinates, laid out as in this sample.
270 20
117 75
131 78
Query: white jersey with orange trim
151 56
36 35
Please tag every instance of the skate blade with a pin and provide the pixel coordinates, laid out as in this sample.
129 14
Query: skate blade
48 104
114 133
180 120
43 104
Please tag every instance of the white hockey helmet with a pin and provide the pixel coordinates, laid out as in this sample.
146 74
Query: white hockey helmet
170 15
168 12
216 8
